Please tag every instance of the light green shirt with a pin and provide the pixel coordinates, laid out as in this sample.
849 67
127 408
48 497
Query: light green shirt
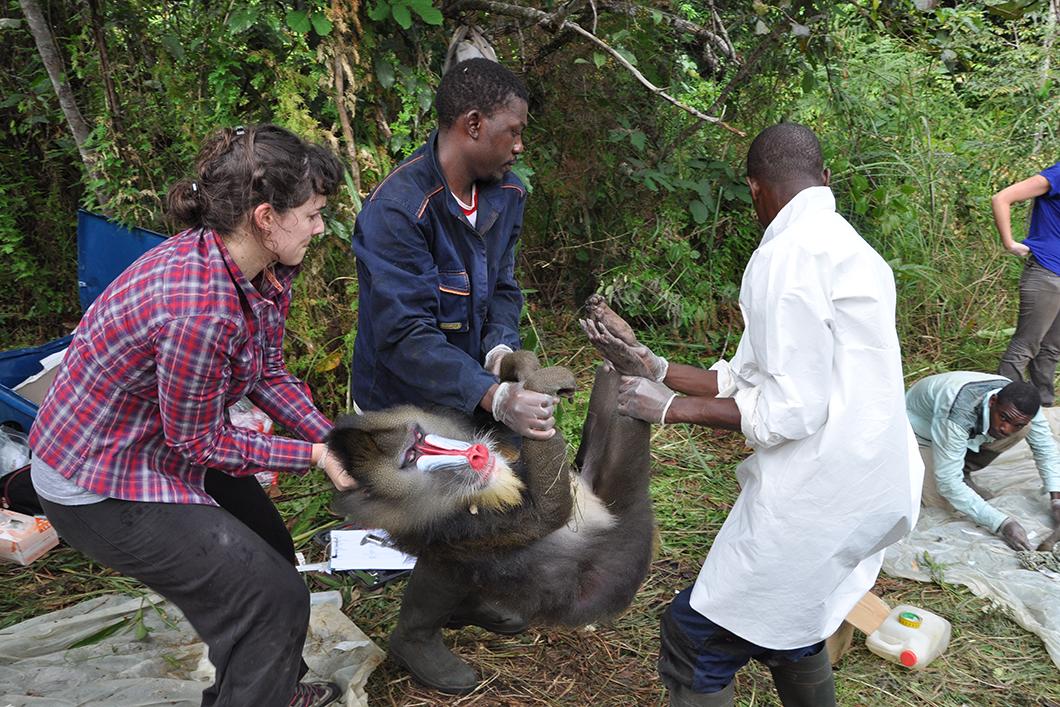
951 412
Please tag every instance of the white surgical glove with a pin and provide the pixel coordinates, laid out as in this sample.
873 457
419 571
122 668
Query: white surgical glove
329 464
527 413
494 358
644 399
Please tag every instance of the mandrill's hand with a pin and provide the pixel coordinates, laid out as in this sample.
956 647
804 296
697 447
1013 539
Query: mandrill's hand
643 399
329 464
1014 534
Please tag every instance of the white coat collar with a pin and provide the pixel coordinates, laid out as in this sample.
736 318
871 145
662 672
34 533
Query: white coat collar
809 199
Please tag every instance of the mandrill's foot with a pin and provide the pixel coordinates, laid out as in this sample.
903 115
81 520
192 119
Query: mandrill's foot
597 310
614 339
432 664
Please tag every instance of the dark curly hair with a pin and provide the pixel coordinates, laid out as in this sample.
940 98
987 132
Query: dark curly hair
239 168
783 152
475 83
1021 395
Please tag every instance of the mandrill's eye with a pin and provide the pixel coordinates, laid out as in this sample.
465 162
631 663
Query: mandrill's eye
410 457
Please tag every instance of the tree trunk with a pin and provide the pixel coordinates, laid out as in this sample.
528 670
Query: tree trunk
104 65
1047 51
53 62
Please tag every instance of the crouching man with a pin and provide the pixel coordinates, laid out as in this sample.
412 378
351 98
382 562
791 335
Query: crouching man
963 420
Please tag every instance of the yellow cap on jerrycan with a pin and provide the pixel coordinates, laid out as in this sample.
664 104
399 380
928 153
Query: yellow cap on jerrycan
910 636
908 618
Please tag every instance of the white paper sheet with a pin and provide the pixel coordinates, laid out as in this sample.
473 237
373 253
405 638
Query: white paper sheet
366 550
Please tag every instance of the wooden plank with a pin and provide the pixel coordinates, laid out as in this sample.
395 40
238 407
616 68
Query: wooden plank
868 613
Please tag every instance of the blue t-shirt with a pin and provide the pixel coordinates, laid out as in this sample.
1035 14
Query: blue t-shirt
1043 237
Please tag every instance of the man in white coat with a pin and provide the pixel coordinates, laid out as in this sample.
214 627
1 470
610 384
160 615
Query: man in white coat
816 387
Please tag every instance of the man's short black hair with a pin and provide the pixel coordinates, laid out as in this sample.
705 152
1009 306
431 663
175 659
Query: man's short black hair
475 83
785 152
1022 395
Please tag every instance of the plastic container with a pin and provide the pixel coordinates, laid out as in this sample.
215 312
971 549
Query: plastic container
910 636
24 538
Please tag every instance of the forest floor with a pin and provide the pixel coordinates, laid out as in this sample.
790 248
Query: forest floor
990 661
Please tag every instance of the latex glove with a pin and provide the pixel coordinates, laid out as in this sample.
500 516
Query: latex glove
644 399
1014 534
1054 508
329 464
494 358
527 413
628 356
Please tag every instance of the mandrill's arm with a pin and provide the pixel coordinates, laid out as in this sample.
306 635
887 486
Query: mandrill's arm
548 478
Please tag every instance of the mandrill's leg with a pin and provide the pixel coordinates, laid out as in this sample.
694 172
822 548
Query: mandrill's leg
614 457
433 592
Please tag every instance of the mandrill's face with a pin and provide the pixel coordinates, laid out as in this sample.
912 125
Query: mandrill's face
421 465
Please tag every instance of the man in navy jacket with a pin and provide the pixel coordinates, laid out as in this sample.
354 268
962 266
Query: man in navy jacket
439 307
435 245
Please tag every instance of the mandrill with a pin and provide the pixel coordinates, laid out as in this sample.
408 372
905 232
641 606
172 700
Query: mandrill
500 544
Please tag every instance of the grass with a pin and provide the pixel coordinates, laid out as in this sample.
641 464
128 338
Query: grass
990 660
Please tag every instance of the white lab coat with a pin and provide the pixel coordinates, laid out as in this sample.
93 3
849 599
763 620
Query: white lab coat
835 476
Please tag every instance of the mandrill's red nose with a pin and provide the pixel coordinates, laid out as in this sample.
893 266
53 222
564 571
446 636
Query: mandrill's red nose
477 456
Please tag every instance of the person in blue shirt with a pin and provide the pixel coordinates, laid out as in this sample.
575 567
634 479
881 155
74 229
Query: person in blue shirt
439 307
963 420
1035 346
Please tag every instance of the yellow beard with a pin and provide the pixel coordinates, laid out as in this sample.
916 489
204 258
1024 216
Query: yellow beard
506 491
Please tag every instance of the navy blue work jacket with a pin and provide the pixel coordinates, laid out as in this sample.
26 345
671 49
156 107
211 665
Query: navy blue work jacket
436 293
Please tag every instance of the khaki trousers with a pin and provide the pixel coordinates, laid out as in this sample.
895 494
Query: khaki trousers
973 461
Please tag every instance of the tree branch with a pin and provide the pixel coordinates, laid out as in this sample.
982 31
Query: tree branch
344 118
545 19
104 64
49 54
677 23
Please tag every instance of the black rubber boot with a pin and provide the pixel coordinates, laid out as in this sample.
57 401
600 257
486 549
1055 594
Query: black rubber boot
416 643
807 682
487 615
681 696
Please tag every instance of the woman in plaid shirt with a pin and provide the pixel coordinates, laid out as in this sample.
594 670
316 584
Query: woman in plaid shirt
135 458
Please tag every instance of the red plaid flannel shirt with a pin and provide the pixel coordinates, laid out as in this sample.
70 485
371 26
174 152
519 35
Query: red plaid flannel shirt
138 409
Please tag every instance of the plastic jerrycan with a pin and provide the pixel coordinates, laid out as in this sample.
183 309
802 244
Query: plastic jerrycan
910 636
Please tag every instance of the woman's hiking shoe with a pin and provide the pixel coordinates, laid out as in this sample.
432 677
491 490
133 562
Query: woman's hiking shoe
315 694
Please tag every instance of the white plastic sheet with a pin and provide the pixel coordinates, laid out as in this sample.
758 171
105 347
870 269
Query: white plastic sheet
154 656
969 555
14 451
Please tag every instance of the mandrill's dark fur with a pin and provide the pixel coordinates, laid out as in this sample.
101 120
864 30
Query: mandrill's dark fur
571 548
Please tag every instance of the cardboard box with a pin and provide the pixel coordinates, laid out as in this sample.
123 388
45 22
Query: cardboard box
24 538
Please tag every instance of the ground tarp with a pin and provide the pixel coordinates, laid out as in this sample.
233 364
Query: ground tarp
121 651
961 552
